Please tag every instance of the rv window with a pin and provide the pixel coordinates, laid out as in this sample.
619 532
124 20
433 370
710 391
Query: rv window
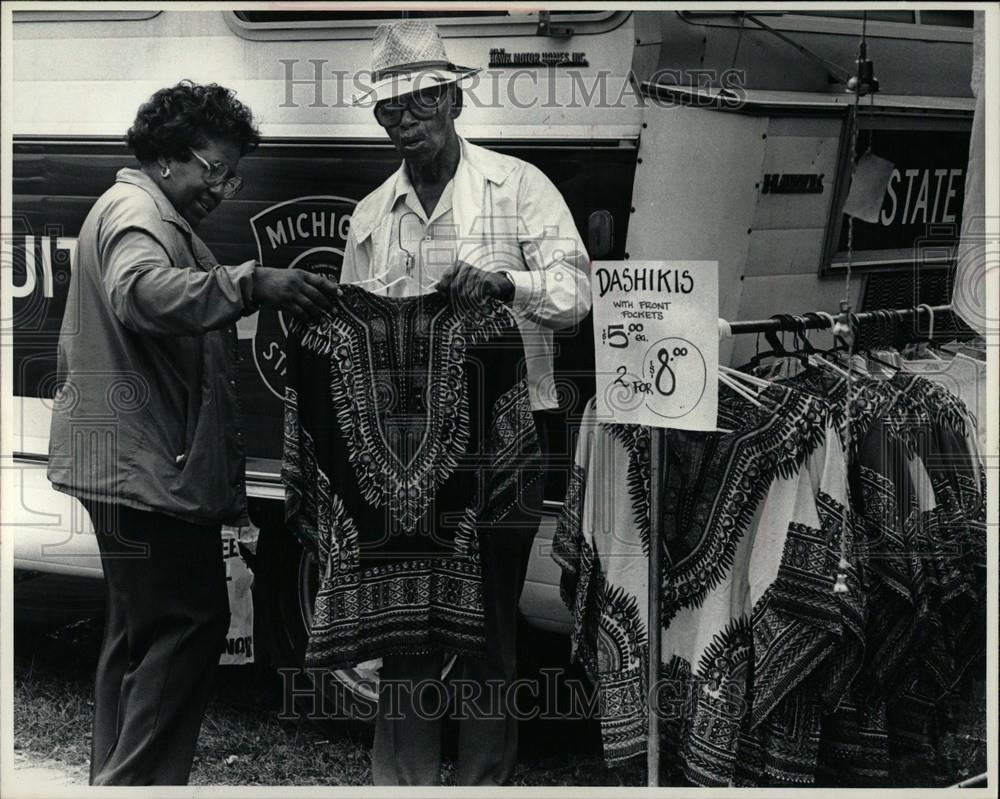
361 22
105 15
372 14
950 19
358 15
873 15
921 213
821 21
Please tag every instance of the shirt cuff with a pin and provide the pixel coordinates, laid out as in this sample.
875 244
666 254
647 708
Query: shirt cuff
242 275
529 290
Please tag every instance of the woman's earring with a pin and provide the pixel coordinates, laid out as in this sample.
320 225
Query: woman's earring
164 171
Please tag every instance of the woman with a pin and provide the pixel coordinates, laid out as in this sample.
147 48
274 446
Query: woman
145 423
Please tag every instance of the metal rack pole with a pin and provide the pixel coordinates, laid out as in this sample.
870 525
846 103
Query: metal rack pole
819 322
656 474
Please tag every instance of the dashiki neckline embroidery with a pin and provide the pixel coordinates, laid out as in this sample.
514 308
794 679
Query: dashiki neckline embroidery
763 446
429 370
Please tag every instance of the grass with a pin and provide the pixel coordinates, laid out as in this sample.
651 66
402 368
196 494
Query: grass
243 742
52 701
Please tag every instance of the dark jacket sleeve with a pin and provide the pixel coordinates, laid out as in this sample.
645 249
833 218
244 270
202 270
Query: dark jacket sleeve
152 295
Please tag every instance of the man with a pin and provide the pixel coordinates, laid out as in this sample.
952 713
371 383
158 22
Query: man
474 224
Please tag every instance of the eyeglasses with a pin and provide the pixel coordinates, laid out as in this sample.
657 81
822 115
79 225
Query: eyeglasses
423 105
215 177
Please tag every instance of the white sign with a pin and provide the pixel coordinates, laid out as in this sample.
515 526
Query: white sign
656 341
238 648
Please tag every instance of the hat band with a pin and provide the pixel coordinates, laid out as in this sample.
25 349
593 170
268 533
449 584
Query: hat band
413 66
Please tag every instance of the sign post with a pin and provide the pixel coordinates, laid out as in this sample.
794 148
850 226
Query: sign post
656 342
656 479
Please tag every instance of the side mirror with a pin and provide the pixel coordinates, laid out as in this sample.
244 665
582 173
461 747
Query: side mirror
600 234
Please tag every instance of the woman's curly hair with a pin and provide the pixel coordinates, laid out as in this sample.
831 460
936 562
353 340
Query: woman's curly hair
183 116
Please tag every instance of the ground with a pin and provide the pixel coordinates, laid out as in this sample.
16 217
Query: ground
243 742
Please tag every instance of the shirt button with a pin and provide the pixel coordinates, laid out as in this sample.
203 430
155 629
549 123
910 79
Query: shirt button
232 383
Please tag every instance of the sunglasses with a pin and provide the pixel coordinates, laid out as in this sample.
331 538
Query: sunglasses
216 177
422 105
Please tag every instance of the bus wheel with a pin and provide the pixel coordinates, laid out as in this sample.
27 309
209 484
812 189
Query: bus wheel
287 580
285 587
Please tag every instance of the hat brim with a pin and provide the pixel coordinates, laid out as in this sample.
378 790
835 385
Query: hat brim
409 82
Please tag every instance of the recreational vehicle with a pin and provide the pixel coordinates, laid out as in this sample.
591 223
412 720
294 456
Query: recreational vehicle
697 135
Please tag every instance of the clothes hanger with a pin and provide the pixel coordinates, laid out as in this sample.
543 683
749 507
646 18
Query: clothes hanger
802 334
748 386
797 328
839 344
977 357
804 345
376 286
742 391
777 350
747 378
816 357
748 392
930 348
886 321
384 287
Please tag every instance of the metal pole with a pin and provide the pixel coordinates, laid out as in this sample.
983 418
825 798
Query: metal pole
817 323
656 465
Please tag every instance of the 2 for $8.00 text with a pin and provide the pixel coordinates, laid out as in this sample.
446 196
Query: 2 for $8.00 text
662 377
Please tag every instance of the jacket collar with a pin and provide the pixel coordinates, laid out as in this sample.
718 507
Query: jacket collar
476 166
168 213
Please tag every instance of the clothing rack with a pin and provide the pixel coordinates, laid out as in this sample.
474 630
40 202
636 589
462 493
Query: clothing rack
817 322
887 327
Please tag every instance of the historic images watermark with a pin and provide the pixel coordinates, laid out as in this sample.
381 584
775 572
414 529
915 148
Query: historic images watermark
318 694
313 83
977 266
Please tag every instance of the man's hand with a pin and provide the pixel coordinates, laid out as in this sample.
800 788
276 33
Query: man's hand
302 294
469 285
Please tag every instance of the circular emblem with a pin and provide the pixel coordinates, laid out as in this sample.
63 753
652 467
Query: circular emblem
301 233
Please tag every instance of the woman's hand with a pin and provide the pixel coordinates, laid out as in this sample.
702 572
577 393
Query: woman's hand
302 294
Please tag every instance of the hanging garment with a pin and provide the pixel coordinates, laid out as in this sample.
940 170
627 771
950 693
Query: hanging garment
754 639
408 431
963 377
917 494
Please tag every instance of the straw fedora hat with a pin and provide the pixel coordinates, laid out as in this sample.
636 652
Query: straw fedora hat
408 55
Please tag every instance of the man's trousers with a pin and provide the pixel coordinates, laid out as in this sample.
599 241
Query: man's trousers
408 726
166 619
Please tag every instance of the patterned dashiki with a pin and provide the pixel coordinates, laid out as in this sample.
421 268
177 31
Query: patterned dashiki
767 676
755 643
918 496
408 432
